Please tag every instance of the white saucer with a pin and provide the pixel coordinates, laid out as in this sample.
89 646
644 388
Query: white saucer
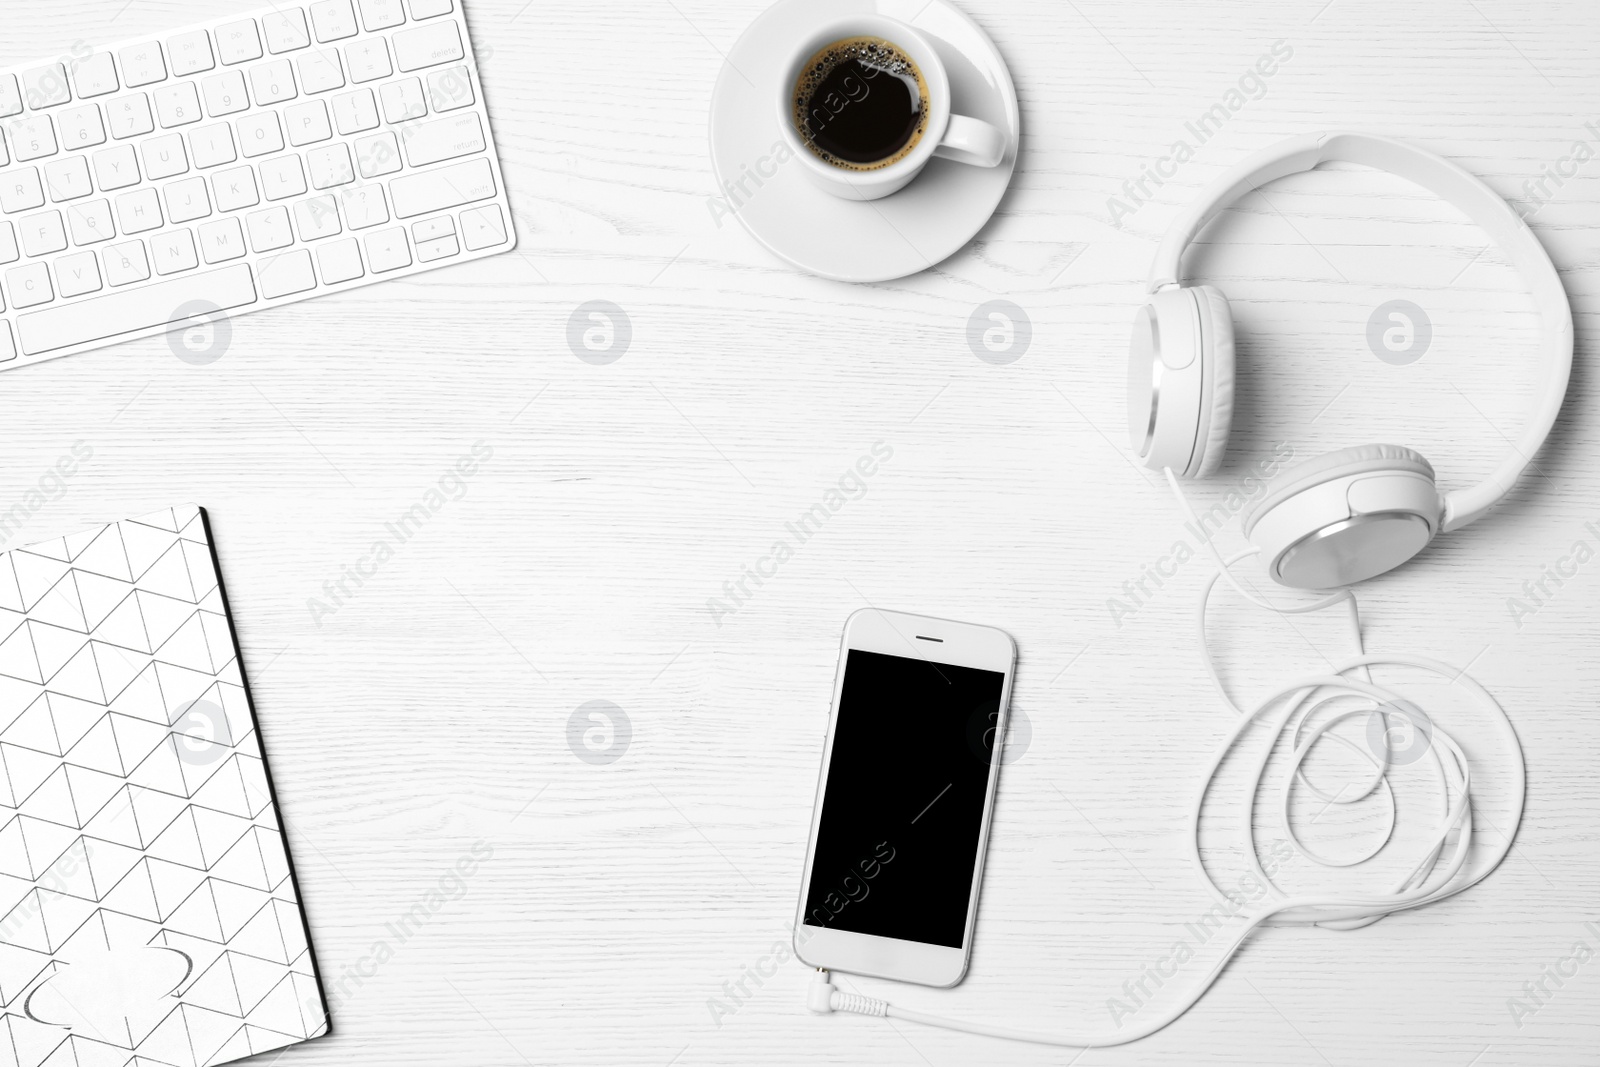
909 231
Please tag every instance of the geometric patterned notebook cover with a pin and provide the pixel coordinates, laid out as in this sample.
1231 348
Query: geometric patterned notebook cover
148 910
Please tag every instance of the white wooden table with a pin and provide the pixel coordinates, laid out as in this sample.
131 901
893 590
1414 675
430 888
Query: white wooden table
430 710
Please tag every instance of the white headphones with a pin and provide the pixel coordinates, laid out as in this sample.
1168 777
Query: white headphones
1358 512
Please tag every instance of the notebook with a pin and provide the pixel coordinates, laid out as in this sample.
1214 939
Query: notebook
148 910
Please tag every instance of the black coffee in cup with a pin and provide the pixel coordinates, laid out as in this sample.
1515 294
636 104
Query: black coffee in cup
861 104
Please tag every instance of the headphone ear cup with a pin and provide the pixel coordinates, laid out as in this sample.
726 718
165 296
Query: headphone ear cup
1168 400
1216 416
1345 517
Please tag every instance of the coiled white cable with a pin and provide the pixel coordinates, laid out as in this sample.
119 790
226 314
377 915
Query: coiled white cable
1441 871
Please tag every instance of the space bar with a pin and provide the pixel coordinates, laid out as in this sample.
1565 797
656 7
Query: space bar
110 316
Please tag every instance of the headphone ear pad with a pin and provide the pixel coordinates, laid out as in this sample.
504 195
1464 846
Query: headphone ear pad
1216 325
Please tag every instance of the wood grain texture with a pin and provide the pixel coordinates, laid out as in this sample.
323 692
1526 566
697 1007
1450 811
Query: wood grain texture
431 710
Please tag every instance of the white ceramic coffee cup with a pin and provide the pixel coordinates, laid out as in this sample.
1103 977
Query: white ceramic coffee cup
948 135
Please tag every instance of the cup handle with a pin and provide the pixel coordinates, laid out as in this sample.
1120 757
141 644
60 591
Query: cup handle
972 141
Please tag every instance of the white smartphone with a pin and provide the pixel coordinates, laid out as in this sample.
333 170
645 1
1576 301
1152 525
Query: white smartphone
903 804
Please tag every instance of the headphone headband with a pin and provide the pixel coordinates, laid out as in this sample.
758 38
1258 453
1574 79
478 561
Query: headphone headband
1473 198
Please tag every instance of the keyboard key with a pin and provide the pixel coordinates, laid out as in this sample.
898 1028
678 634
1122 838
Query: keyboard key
402 100
8 350
380 14
174 252
90 222
123 312
364 206
221 241
238 42
20 190
377 155
320 71
190 52
307 122
68 179
439 248
177 104
43 233
32 137
447 187
187 200
432 229
78 274
235 189
164 157
269 229
439 139
5 158
282 177
285 275
387 249
355 112
483 227
286 30
10 96
427 46
330 167
139 211
8 244
45 86
316 218
126 263
142 65
29 286
368 60
95 76
450 88
129 116
81 126
272 82
259 135
212 146
427 9
340 261
115 168
225 93
333 20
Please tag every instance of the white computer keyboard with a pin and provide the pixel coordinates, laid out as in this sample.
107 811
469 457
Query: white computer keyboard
239 164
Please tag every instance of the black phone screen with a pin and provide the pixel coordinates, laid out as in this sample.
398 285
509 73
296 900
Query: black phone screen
902 809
